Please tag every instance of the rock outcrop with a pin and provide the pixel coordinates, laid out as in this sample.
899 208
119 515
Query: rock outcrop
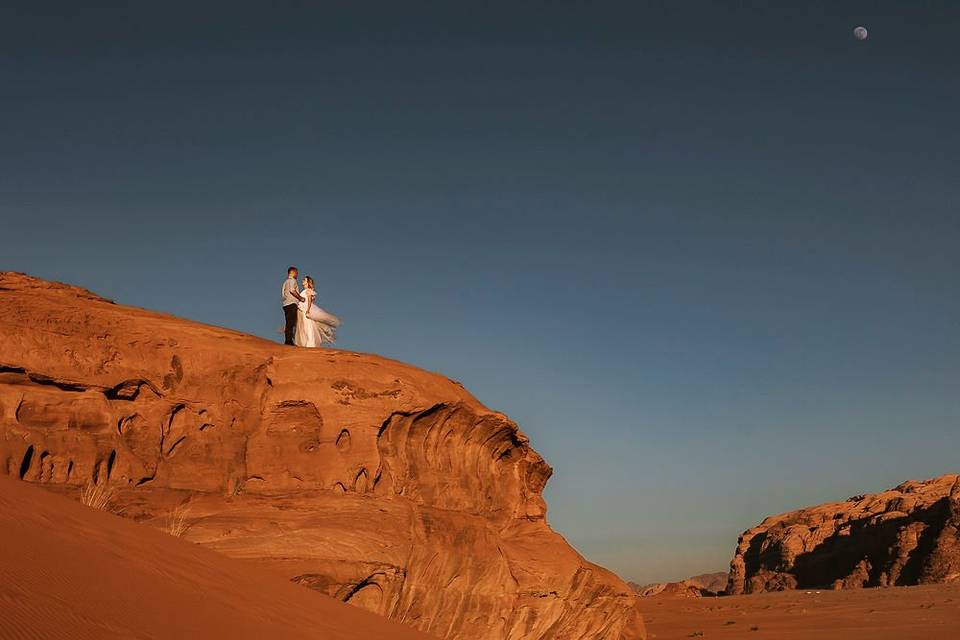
705 584
905 536
388 487
682 589
715 582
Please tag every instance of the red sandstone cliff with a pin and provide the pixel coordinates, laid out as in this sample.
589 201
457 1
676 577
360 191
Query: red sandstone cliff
386 486
904 536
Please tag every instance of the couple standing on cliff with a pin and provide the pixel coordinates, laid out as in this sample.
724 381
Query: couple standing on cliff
306 324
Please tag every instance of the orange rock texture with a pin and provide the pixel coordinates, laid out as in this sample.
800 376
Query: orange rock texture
383 485
905 536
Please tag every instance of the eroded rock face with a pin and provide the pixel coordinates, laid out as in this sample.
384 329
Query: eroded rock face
905 536
381 484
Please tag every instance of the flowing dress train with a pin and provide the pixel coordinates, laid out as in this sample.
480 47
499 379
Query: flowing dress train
314 325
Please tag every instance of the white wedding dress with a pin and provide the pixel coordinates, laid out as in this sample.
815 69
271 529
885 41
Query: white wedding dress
316 326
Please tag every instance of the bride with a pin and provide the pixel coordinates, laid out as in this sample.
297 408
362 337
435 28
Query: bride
314 325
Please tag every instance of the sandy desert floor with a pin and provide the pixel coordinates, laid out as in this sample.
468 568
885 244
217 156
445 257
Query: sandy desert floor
72 572
68 571
902 613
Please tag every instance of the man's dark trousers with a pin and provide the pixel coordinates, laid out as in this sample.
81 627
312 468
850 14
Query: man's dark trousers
290 317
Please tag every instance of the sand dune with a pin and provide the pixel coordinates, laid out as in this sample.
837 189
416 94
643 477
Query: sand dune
69 571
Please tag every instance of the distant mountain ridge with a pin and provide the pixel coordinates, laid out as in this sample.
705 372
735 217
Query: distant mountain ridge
705 584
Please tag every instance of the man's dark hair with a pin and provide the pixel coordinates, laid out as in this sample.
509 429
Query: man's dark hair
289 269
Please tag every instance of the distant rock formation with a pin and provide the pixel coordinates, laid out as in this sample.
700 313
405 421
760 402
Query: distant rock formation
715 582
385 486
705 584
905 536
682 589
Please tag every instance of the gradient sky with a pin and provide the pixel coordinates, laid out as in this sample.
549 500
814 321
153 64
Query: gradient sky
705 253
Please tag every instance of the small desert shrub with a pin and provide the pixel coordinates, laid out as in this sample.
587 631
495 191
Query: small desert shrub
177 523
96 496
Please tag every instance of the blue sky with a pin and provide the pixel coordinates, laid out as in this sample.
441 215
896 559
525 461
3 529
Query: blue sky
704 253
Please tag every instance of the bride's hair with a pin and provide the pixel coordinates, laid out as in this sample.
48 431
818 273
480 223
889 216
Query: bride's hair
309 280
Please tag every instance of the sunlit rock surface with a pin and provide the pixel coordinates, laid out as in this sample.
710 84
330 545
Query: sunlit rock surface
907 535
386 486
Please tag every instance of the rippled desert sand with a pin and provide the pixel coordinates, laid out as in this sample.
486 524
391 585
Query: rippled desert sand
901 613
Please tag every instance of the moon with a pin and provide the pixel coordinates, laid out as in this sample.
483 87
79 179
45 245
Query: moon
860 33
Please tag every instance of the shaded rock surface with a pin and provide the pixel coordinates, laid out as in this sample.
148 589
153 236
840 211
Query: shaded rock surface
380 484
907 535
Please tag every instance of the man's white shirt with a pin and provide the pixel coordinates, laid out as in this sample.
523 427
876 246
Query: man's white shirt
290 285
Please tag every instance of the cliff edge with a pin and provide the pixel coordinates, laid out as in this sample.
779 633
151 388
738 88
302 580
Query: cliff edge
377 483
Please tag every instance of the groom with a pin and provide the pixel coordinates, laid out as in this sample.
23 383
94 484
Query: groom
290 295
